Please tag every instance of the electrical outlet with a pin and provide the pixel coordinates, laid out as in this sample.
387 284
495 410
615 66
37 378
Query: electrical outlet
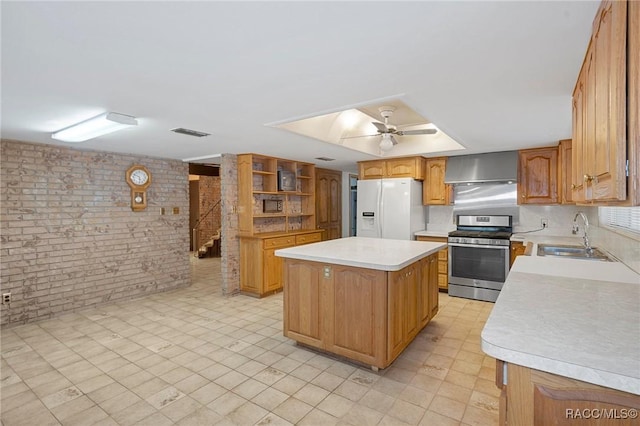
544 222
6 298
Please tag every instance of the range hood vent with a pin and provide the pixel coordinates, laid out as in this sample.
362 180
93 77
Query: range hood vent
482 168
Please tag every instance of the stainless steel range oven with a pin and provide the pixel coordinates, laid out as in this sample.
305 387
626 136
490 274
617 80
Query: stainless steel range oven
479 256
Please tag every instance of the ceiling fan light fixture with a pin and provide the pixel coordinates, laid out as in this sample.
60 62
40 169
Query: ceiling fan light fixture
94 127
386 143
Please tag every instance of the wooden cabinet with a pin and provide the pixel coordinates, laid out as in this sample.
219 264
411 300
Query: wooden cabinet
606 85
538 176
404 308
260 269
517 249
329 202
304 318
376 169
392 168
263 207
533 397
271 217
434 190
366 315
356 311
564 166
443 261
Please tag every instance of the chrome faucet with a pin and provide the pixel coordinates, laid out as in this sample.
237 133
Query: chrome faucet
575 229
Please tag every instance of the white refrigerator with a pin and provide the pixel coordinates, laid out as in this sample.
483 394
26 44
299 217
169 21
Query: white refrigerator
390 208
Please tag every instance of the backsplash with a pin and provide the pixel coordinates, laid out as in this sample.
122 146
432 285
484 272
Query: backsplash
626 249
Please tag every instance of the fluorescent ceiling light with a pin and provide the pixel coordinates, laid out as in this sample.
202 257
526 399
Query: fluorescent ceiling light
94 127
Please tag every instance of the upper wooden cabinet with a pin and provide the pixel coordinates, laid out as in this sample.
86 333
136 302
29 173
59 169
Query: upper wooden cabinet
605 134
263 207
538 176
392 168
434 190
565 169
329 202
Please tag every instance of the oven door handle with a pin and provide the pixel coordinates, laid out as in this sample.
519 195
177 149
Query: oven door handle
479 246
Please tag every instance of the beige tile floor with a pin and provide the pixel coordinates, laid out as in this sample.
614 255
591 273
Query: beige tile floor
194 357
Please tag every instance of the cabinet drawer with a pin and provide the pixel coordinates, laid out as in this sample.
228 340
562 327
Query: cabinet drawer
308 238
279 242
443 255
443 267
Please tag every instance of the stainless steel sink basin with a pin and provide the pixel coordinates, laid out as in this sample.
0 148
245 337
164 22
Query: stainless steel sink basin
574 252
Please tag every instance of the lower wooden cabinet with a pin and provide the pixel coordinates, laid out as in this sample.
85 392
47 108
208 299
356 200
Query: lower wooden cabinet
517 249
443 261
533 397
260 269
366 315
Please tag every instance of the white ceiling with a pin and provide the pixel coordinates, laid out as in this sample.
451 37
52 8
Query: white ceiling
493 75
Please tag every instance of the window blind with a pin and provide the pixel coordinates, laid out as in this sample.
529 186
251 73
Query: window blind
623 218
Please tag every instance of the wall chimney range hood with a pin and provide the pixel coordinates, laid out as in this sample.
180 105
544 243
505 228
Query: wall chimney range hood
494 167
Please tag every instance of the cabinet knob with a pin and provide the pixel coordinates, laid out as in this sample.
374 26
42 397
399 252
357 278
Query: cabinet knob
574 186
523 196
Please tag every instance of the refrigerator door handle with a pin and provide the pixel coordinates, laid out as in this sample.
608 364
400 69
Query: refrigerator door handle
380 206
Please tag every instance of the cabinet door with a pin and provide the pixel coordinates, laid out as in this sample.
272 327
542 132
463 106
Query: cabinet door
433 284
272 271
428 284
372 169
404 167
303 319
606 172
329 202
564 160
404 311
517 249
579 140
434 190
538 183
357 314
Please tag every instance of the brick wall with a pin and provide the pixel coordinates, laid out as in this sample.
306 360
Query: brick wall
230 240
69 237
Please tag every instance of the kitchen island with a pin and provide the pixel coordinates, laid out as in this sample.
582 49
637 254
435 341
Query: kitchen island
566 334
362 298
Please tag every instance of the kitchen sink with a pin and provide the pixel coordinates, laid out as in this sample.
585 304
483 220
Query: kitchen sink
573 252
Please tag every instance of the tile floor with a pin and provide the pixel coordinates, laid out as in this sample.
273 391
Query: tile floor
193 357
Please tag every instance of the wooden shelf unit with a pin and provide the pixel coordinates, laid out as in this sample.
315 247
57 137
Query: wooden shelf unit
262 233
258 181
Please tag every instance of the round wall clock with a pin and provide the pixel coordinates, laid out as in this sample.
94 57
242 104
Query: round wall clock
138 178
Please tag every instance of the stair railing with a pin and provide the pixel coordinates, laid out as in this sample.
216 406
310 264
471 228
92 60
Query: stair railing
196 238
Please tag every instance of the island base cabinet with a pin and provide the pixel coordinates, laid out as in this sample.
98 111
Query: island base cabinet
532 397
365 315
356 307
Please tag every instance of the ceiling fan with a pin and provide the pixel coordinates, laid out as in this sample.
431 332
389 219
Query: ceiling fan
389 131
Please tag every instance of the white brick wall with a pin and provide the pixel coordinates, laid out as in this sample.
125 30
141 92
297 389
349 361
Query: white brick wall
69 238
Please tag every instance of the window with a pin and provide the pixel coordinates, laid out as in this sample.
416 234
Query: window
623 219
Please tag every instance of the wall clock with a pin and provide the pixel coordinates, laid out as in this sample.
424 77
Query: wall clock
138 178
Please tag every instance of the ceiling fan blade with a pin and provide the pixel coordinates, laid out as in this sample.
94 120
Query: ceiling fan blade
417 132
393 140
361 136
381 127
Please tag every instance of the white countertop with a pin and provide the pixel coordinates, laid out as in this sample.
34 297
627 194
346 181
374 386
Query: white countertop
432 233
370 253
570 317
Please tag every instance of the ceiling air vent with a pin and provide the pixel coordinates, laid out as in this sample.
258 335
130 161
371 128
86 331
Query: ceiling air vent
190 132
325 158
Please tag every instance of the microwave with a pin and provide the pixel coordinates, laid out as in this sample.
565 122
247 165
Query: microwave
286 180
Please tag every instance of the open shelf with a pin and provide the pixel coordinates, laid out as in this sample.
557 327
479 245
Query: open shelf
258 181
